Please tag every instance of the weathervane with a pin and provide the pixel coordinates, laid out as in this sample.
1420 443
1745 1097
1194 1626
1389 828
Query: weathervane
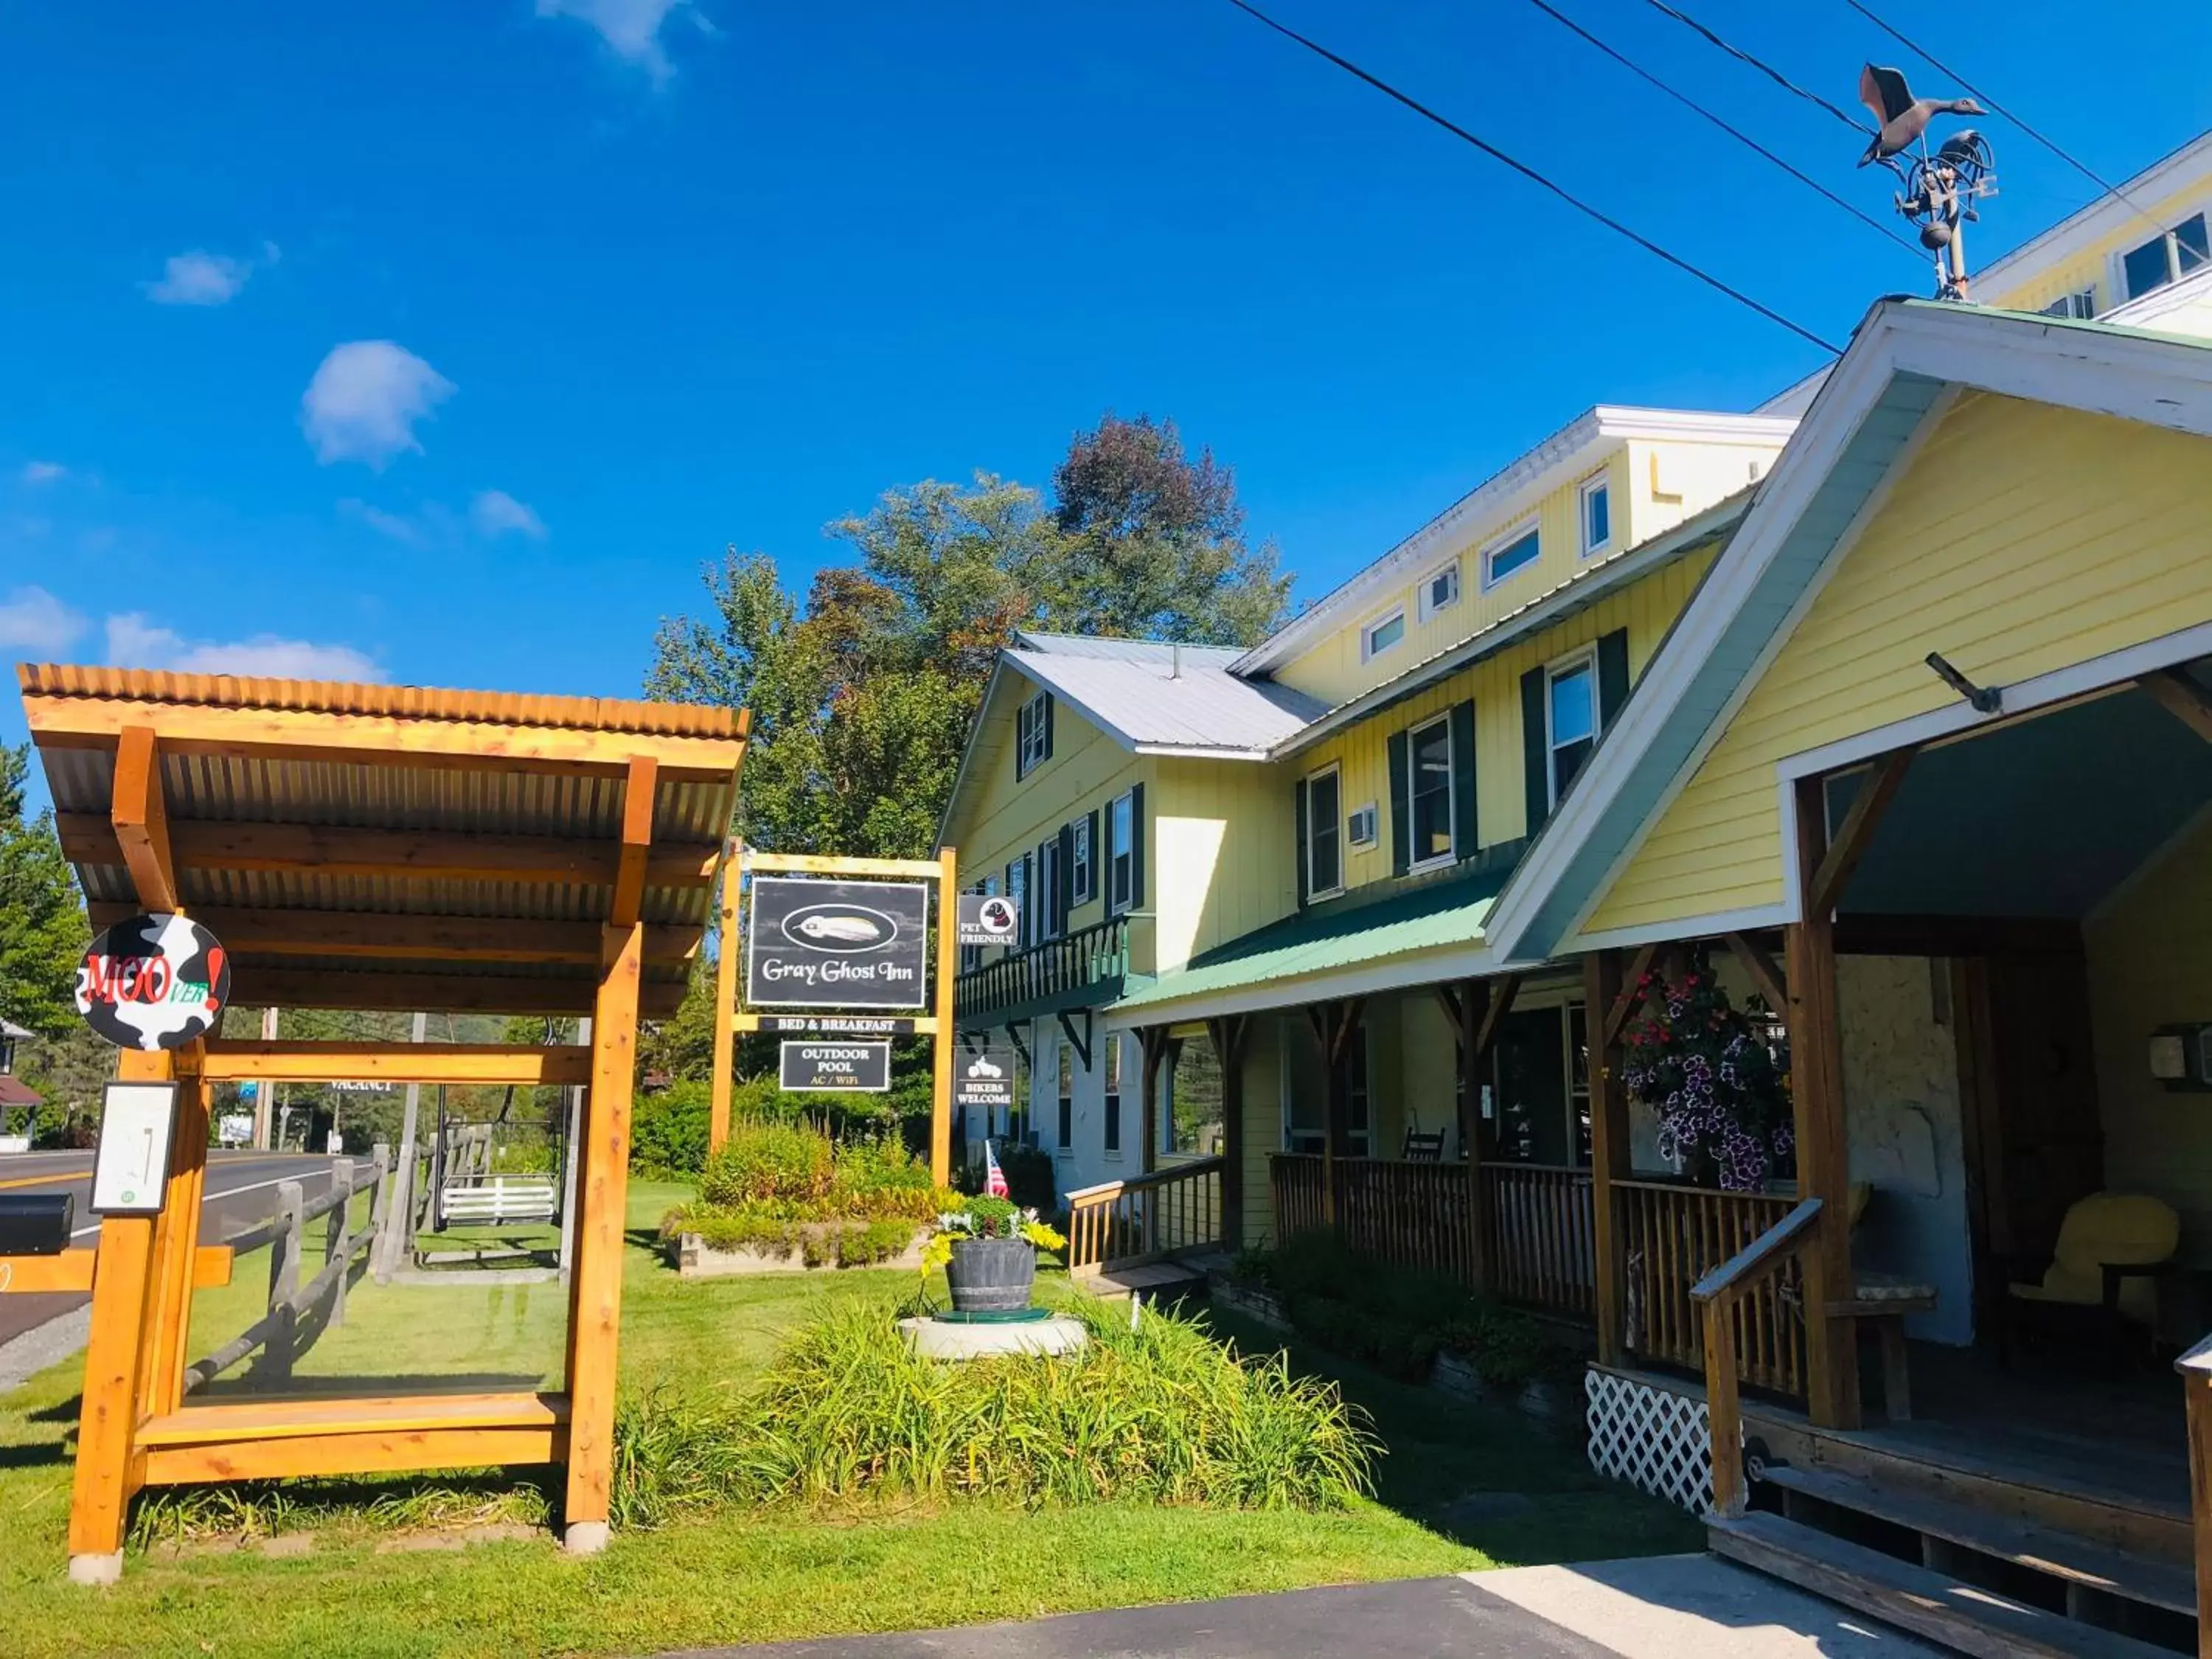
1941 191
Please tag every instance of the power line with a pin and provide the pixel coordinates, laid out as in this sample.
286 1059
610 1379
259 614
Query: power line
1995 108
1740 137
1761 65
1536 178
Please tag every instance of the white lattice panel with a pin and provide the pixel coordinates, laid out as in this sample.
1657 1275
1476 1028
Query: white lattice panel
1651 1438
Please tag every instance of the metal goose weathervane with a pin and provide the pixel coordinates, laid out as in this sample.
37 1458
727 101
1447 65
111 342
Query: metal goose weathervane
1942 191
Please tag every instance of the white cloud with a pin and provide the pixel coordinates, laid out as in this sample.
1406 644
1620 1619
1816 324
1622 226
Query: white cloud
496 513
397 526
364 401
36 624
44 472
630 28
200 278
133 641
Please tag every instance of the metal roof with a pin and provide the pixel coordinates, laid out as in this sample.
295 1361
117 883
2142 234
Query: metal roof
1123 650
1161 703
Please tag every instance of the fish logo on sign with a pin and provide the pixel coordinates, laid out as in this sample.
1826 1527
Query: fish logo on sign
848 928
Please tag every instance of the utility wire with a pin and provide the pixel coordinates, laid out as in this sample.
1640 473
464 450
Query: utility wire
1736 133
1995 108
1759 64
1536 178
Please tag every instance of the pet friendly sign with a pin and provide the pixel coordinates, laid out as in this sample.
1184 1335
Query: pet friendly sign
989 919
823 1067
836 943
153 982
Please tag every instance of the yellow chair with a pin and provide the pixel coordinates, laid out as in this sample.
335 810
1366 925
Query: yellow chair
2111 1248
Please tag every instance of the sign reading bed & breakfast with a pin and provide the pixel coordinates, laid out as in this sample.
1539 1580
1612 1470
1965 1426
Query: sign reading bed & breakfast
817 944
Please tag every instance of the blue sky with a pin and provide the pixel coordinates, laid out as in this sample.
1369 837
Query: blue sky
444 342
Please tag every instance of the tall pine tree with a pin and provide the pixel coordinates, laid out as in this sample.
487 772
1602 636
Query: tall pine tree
42 930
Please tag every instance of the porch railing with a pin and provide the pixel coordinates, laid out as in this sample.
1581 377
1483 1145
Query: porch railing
1086 967
1543 1236
1148 1218
1671 1238
1728 1301
1412 1215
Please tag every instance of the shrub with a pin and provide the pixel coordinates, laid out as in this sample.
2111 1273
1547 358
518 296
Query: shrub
668 1130
1029 1178
768 1161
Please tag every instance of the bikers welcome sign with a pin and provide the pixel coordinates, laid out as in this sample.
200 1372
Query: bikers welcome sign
836 943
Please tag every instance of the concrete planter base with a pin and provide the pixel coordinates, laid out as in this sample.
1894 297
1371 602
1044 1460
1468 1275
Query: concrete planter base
938 1338
1254 1304
695 1260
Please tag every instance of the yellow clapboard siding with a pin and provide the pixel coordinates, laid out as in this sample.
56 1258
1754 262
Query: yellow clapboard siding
1222 864
2022 539
2091 266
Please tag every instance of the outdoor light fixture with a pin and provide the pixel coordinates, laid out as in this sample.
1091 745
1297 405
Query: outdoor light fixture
1987 700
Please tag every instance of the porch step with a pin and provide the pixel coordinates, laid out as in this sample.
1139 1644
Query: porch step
1929 1604
2062 1555
1156 1278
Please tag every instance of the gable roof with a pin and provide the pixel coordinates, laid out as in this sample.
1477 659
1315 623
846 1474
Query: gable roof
1882 395
1165 699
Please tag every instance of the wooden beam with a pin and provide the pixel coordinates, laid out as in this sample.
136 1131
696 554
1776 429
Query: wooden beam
940 1057
405 993
1855 833
376 740
725 1002
1501 1004
395 855
2180 695
596 1282
2197 1392
638 791
1473 1004
338 1452
1349 1013
1629 993
1766 977
525 1064
1447 995
817 864
139 816
412 938
1610 1157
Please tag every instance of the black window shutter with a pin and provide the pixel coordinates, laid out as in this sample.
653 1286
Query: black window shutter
1021 741
1535 750
1136 846
1047 725
1612 676
1065 896
1298 814
1401 805
1097 857
1464 840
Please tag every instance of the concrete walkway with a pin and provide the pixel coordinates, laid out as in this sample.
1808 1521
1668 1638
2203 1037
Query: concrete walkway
1672 1607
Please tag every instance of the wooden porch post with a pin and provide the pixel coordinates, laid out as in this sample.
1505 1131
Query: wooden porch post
1228 1033
1816 1087
1324 1015
1152 1044
595 1286
1472 1004
726 999
1602 990
2195 1369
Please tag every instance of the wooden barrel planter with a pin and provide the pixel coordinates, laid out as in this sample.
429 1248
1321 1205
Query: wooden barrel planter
991 1275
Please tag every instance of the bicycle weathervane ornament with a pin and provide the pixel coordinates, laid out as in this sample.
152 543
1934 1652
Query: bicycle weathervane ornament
155 981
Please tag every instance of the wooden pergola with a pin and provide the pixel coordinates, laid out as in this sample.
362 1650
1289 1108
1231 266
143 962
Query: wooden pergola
365 847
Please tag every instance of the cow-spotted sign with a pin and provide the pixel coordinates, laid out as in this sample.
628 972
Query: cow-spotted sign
154 981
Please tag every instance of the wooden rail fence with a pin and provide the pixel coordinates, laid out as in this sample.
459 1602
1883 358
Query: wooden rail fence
279 1333
1543 1237
1671 1238
1121 1224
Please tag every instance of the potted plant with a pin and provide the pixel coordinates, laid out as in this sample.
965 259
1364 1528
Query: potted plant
1709 1072
989 1252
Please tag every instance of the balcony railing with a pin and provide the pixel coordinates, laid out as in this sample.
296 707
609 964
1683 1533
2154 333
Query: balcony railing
1172 1212
1084 969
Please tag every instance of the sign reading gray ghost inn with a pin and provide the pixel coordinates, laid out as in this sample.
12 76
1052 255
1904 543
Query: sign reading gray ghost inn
817 944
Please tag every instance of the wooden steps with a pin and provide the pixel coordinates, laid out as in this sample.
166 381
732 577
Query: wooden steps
1154 1280
1928 1603
2067 1557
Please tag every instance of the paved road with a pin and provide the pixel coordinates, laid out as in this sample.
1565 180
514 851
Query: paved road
241 1190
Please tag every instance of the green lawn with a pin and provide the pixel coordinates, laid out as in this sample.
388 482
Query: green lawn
1462 1487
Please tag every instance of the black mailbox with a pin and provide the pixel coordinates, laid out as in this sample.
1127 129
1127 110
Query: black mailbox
35 1224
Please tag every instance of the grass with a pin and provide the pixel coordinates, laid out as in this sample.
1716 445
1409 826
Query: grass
1460 1487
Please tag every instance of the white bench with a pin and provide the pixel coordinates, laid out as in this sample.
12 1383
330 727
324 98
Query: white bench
500 1200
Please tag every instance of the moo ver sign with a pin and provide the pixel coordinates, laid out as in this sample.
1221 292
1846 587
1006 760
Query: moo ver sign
836 943
153 982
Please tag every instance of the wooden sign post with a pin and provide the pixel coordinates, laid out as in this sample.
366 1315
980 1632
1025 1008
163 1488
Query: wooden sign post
854 937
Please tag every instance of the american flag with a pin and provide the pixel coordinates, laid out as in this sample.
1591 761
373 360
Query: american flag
995 1178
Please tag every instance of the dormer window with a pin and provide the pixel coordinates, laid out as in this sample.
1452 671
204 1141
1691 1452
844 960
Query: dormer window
2168 257
1033 734
1596 515
1382 634
1440 590
1512 555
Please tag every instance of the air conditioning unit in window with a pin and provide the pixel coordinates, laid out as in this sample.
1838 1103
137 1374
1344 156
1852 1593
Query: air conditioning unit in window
1362 826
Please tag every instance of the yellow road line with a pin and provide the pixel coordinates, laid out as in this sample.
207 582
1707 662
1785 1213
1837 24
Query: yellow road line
43 1180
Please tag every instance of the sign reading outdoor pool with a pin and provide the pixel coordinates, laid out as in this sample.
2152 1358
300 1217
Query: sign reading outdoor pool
153 982
836 943
820 1067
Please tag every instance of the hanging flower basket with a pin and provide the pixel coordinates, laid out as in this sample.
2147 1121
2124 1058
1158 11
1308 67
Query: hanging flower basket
1711 1073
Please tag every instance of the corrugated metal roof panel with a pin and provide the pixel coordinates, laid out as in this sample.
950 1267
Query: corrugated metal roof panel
1111 649
1148 701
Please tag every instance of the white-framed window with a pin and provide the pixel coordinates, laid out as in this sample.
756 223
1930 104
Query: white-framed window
1439 590
1047 888
1324 830
1361 827
1067 1124
2080 305
1033 734
1083 873
1570 719
1597 501
1510 554
1429 793
1113 1057
2166 258
1379 635
1120 853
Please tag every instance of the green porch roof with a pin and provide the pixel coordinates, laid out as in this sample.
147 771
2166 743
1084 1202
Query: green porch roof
1331 937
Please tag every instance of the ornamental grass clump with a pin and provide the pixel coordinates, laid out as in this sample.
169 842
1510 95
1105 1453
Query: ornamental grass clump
1161 1413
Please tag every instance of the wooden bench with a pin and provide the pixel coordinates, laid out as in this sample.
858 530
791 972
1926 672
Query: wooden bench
499 1201
1883 1301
